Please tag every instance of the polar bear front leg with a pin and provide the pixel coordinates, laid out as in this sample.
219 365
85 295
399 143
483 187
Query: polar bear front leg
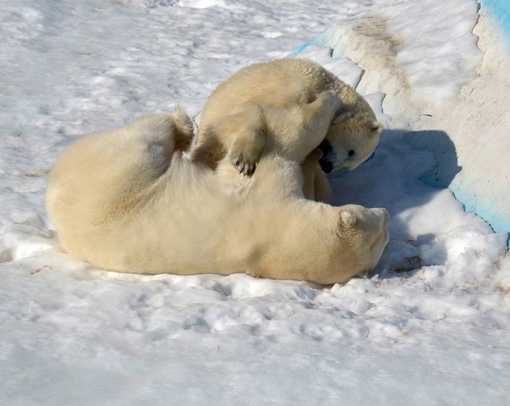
247 130
309 167
317 117
315 182
299 129
322 190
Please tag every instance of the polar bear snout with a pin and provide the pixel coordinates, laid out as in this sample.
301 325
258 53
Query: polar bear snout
335 159
384 213
379 243
380 237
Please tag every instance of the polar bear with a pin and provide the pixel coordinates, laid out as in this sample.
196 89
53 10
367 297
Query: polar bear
129 200
229 126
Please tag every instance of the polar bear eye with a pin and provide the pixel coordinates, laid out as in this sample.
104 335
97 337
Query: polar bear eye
351 152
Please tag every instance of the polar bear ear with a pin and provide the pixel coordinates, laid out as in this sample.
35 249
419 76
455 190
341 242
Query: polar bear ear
376 127
348 218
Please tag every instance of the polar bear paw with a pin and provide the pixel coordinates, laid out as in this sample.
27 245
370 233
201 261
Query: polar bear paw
242 166
246 150
330 102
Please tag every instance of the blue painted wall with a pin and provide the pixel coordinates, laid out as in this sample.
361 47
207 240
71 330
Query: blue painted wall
500 11
493 212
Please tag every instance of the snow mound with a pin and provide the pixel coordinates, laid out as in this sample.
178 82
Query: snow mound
429 326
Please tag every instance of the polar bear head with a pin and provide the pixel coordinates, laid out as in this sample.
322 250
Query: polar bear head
362 235
352 137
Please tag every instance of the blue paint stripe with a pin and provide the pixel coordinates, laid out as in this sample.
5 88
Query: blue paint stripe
498 218
301 48
500 11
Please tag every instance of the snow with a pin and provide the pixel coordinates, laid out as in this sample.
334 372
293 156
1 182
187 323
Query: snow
477 125
429 326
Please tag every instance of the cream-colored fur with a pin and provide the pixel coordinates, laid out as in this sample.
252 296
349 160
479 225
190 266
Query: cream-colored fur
127 200
350 140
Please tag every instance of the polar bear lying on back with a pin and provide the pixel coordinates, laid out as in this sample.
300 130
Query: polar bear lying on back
233 122
127 200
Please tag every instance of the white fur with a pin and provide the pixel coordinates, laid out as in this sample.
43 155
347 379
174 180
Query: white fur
280 84
126 200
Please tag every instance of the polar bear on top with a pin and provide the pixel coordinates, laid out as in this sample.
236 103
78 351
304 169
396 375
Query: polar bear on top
231 126
127 200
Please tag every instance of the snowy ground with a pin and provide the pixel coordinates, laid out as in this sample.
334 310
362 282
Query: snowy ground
429 327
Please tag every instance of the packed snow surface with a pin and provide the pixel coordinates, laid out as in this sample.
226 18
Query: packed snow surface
430 326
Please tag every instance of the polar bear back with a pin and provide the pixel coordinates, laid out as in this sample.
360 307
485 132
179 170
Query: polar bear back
107 191
279 84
